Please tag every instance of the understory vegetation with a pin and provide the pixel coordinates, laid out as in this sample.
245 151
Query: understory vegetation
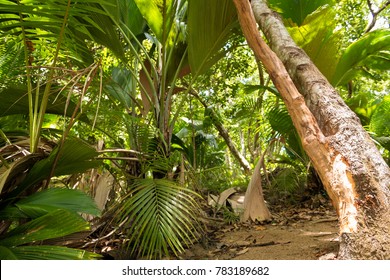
121 118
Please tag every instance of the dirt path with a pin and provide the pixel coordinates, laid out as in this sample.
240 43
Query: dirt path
293 235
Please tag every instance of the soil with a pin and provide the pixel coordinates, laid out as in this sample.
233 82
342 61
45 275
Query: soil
305 231
293 234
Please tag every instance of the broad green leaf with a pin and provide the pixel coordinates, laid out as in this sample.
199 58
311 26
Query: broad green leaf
317 38
384 141
121 86
159 16
371 51
75 157
46 252
296 11
7 254
55 224
52 199
16 168
127 12
210 25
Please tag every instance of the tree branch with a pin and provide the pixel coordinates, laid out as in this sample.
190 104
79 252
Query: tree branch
375 14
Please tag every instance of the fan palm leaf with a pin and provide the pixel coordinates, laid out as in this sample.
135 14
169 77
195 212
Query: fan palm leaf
161 217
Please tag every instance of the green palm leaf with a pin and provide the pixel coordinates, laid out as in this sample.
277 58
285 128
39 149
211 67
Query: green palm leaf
55 224
297 10
159 15
45 252
161 215
281 122
371 51
49 200
14 169
380 120
317 37
75 157
87 21
126 12
209 27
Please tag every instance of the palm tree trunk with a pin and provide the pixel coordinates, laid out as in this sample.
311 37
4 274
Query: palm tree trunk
351 168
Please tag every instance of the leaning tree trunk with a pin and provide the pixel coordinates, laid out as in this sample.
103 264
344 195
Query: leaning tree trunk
351 168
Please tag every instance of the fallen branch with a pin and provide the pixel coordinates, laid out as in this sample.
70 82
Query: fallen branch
270 243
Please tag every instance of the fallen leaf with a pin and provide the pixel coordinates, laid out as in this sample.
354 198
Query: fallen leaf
260 228
243 251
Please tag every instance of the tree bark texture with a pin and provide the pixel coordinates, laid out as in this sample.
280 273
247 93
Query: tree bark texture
351 168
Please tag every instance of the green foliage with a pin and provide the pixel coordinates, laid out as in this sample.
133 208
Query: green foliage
41 203
288 183
369 52
45 252
297 10
364 105
14 100
161 216
48 220
11 58
229 216
87 21
30 217
318 39
281 123
160 15
380 120
75 157
208 30
119 13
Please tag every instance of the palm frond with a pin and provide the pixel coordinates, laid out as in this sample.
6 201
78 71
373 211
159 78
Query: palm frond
87 21
209 27
380 120
49 200
45 252
161 217
57 223
280 120
75 157
11 59
288 180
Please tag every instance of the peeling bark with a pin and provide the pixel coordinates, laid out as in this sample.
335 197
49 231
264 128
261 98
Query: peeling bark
351 168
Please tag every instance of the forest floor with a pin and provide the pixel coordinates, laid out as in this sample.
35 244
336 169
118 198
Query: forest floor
295 233
304 231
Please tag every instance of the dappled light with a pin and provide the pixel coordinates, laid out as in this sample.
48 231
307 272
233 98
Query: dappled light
194 129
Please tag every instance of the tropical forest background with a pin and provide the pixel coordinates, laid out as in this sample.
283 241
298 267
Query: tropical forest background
122 117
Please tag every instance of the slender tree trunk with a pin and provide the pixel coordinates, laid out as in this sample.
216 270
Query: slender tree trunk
237 155
225 135
351 168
